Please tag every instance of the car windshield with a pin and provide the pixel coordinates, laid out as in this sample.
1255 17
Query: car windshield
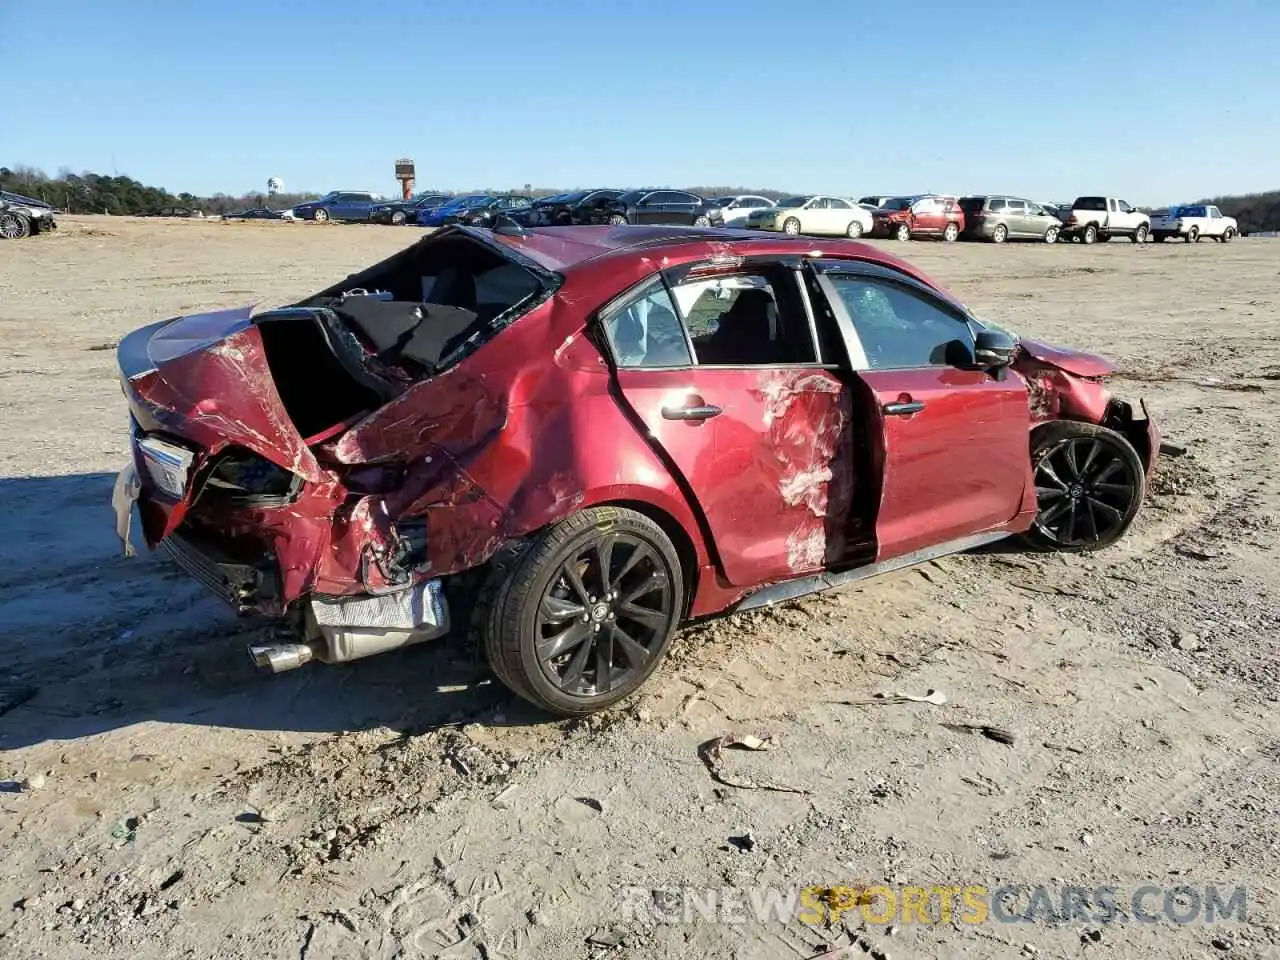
466 203
898 203
722 201
631 196
794 201
576 197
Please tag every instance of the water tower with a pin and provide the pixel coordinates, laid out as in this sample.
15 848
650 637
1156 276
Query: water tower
274 186
404 173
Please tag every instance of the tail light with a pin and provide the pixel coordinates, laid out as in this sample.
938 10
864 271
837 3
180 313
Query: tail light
1073 219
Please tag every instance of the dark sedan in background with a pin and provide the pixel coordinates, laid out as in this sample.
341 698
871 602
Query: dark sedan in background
564 209
406 211
661 206
338 205
486 215
451 212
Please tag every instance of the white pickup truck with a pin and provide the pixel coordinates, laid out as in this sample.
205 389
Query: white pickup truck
1094 219
1193 222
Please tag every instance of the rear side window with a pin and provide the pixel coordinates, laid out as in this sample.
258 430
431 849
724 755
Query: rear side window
645 330
997 204
1091 203
747 319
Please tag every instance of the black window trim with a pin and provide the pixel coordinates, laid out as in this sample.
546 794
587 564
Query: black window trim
857 354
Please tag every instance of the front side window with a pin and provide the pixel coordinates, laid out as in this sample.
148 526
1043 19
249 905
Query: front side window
900 328
645 330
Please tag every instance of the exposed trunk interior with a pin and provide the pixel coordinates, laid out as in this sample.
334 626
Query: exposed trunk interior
318 390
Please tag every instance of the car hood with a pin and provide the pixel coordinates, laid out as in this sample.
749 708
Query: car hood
1072 361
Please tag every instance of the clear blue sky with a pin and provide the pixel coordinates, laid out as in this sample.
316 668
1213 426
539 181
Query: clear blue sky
1153 101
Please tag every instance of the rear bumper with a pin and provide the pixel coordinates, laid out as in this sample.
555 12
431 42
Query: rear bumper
246 587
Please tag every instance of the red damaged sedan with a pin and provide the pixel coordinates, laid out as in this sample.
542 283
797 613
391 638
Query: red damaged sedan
570 440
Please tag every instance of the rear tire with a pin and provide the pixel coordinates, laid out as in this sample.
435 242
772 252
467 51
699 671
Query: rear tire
951 232
1228 235
1193 235
854 230
1089 486
398 217
1051 235
1000 234
589 603
1090 234
14 226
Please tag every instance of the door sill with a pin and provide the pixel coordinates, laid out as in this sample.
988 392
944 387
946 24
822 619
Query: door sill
791 589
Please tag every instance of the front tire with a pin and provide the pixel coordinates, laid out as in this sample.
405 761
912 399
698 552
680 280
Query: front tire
14 226
398 217
1193 235
902 233
791 227
322 216
1140 235
1089 486
1051 235
854 230
1228 235
951 232
581 616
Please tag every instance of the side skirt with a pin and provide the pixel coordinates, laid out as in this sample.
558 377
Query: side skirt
791 589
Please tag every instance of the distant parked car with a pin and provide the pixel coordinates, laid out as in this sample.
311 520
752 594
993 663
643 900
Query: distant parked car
565 209
175 211
256 213
24 216
813 214
451 211
661 206
736 209
875 203
507 205
1098 219
1007 218
406 211
338 205
1193 222
929 215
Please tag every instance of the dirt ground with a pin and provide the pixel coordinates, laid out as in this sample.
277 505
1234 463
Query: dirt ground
159 798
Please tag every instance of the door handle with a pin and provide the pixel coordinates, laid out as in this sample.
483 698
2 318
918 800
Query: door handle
702 412
903 408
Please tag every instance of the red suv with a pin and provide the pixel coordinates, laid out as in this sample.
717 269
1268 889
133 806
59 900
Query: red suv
570 440
930 215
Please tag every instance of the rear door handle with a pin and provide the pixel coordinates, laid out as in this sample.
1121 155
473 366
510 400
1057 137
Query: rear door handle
903 408
703 412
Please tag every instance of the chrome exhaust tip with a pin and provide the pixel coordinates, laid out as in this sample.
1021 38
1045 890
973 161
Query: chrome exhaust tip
279 657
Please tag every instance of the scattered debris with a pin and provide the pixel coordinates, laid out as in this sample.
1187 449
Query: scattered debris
935 697
1185 640
34 782
610 939
745 843
711 755
1049 745
1168 449
998 734
1086 839
591 802
1091 936
126 830
1220 943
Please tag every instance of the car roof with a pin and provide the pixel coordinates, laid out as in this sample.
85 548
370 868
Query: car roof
566 249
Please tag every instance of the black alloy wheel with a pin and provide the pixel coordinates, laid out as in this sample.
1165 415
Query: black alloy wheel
1089 486
583 615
